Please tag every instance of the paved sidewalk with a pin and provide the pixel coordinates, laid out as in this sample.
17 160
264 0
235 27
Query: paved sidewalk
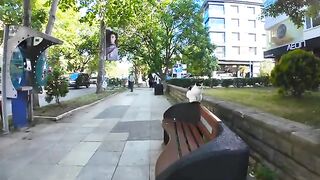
117 139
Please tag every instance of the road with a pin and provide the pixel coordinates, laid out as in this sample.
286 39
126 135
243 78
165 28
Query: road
73 93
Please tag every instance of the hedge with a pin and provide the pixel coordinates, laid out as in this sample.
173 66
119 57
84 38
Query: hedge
236 82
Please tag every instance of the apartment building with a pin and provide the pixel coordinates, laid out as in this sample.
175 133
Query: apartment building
284 36
238 34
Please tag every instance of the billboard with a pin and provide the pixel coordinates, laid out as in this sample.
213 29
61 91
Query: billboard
112 51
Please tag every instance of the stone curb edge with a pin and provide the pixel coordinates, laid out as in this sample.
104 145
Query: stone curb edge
69 113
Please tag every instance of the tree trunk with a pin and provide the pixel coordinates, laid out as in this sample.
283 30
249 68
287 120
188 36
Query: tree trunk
102 57
27 13
49 28
52 16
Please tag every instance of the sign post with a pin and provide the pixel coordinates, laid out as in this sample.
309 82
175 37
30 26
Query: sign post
4 81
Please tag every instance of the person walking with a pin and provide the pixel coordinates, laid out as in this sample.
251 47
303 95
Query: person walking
131 81
151 80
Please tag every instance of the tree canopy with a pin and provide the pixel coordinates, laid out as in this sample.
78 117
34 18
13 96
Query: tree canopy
152 34
167 32
297 10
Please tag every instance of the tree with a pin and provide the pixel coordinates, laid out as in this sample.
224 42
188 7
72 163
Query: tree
167 32
297 10
114 14
57 86
296 72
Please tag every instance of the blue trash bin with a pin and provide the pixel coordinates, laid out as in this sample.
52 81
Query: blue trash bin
20 109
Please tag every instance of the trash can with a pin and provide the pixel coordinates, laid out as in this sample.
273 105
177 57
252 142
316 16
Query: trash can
21 107
158 89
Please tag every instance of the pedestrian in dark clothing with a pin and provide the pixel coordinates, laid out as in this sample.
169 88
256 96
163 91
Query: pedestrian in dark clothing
151 80
131 81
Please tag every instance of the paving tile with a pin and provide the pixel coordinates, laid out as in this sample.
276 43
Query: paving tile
116 137
104 159
153 156
95 137
63 172
156 145
8 168
92 123
33 172
112 146
50 157
134 158
76 158
87 146
113 112
152 175
131 173
97 173
137 146
80 154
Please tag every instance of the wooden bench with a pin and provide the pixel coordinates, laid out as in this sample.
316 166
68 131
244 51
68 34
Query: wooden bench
199 147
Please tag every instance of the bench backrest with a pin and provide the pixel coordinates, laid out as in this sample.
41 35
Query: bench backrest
208 124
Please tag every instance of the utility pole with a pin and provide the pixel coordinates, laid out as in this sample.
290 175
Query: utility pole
4 81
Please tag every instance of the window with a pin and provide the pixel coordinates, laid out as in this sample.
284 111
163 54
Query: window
251 10
236 50
217 23
312 22
206 14
206 24
264 39
235 36
252 37
220 51
235 23
235 9
253 50
218 9
252 23
217 37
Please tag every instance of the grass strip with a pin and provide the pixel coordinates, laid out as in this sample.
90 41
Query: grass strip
304 110
54 110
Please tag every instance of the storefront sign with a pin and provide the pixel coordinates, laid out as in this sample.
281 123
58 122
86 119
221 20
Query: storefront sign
296 45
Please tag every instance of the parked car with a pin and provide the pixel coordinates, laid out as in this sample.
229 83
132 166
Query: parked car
79 79
93 80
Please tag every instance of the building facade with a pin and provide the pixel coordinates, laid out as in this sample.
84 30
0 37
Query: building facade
284 36
238 34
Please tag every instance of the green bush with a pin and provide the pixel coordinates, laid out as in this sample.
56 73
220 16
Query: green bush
57 86
239 82
211 82
226 82
185 83
264 81
296 72
115 82
215 82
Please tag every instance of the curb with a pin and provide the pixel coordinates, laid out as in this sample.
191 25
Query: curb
69 113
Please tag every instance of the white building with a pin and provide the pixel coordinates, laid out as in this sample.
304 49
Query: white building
284 36
238 34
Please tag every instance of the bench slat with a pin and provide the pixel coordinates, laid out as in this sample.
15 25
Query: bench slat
212 119
182 139
204 131
170 153
191 141
196 134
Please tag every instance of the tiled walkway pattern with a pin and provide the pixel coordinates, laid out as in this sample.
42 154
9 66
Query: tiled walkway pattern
117 139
